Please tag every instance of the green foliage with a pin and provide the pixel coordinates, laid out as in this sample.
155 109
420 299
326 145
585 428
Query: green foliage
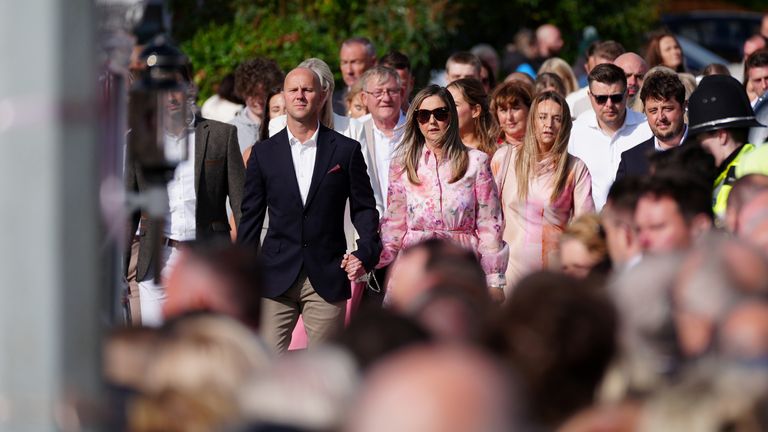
223 33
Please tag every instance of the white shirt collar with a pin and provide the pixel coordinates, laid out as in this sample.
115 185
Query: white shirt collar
657 145
396 133
312 140
632 118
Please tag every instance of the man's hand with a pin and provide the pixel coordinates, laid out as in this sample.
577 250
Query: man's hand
353 266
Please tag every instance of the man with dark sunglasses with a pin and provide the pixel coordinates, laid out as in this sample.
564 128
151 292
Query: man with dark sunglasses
599 139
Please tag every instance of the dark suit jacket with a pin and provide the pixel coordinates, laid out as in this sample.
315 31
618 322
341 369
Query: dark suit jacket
312 235
634 162
219 172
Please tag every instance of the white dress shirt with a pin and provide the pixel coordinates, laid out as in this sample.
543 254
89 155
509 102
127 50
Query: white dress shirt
182 200
601 152
383 152
346 126
303 154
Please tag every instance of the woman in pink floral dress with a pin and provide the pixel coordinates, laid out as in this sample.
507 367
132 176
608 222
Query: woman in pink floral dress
541 186
440 188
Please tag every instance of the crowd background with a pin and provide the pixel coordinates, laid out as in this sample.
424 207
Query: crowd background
220 34
651 316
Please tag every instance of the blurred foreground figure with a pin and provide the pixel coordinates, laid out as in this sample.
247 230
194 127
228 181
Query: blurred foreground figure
441 286
437 389
221 278
194 377
559 334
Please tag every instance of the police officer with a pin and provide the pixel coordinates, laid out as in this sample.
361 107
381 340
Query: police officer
720 116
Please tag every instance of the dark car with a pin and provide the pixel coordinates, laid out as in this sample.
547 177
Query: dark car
722 32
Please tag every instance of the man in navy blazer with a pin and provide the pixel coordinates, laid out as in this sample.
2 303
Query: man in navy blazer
663 96
303 176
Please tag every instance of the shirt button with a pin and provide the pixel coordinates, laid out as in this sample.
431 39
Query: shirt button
304 245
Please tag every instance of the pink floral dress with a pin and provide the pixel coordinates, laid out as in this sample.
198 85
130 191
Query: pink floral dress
467 212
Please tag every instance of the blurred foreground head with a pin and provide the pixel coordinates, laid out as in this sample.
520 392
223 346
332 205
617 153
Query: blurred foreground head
559 334
215 277
194 378
442 286
446 388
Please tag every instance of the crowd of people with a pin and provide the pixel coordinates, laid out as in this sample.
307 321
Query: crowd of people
527 255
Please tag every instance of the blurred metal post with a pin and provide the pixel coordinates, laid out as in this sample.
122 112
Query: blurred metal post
50 293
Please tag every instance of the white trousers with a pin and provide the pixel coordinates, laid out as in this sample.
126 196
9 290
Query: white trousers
152 295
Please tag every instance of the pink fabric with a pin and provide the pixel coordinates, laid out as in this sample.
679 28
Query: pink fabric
299 336
467 212
533 226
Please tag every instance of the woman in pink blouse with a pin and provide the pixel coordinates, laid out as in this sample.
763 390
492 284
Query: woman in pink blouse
541 187
440 188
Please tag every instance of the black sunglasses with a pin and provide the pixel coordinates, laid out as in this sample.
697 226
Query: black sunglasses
615 98
423 115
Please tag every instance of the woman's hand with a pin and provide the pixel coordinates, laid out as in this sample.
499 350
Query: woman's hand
353 266
497 295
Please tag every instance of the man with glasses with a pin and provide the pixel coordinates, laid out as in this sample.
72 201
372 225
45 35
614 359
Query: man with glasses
600 139
381 131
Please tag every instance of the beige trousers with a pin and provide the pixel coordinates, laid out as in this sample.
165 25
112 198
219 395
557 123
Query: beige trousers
280 314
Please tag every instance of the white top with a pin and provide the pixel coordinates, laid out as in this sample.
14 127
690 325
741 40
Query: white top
219 109
383 152
602 153
578 102
182 200
303 154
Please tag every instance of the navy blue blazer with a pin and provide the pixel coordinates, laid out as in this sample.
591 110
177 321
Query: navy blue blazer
634 162
312 235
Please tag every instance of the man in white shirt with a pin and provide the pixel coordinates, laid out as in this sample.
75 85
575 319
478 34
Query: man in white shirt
197 195
382 129
303 176
599 139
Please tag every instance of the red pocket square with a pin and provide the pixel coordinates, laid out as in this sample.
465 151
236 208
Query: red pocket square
335 168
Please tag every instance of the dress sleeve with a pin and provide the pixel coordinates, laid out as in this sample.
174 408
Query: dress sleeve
582 190
497 164
394 223
493 251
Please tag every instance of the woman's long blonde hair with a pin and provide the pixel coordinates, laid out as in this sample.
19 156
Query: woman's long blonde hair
529 156
409 150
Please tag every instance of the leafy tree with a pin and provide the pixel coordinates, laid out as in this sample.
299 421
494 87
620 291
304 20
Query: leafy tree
219 34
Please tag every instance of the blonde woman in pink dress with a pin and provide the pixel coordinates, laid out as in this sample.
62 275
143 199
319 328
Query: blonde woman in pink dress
541 186
440 188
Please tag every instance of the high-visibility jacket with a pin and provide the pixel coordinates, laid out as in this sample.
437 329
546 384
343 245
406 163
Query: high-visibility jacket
724 181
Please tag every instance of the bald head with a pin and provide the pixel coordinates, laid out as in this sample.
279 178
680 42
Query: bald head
435 389
634 68
752 221
548 40
303 97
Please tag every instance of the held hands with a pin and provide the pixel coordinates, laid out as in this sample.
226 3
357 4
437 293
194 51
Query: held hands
353 266
497 295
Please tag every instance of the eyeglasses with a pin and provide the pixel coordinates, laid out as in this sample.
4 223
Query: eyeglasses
423 115
602 99
378 94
